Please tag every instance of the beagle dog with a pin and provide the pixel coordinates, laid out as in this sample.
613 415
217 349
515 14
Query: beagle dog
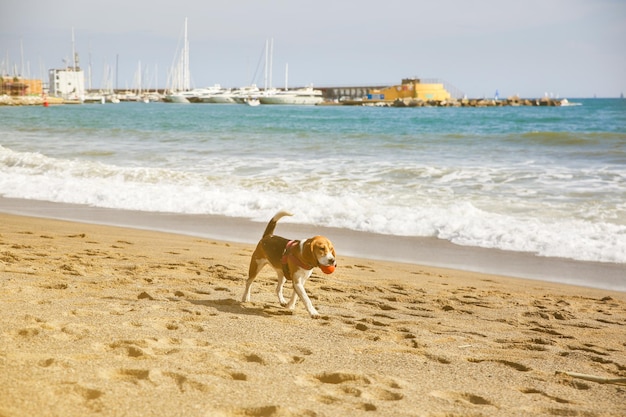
291 259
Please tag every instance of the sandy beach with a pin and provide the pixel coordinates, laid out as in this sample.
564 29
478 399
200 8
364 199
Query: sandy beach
112 321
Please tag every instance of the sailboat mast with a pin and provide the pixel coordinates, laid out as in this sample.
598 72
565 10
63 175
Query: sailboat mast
266 66
271 60
186 73
73 50
139 78
89 67
117 71
22 73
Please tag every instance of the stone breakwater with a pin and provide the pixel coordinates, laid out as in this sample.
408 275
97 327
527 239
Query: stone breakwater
6 100
512 101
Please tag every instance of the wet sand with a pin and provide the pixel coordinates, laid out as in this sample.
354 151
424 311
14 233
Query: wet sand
111 321
415 250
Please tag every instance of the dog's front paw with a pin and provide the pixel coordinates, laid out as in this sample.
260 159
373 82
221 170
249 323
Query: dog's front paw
282 300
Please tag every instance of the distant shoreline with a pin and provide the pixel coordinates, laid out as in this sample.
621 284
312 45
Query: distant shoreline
6 100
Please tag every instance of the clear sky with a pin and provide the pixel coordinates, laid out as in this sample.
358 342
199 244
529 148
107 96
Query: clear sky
569 48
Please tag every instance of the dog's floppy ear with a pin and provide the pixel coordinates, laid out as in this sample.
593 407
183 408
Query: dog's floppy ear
308 254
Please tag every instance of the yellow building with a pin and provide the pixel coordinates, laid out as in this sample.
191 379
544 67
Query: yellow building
410 89
17 86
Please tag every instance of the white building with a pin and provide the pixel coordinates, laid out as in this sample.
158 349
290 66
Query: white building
68 83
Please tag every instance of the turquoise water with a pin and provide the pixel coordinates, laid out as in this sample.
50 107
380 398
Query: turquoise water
545 180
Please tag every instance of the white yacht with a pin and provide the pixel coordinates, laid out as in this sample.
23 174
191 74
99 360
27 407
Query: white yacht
178 97
243 93
203 95
300 96
224 96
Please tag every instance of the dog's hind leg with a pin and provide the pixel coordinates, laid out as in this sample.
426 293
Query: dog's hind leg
279 287
255 266
293 300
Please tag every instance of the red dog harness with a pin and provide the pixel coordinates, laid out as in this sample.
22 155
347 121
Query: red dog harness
289 256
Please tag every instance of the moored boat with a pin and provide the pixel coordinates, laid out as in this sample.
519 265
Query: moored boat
225 96
243 93
178 97
300 96
252 101
203 95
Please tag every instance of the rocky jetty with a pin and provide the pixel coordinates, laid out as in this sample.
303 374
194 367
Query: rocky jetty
6 100
465 102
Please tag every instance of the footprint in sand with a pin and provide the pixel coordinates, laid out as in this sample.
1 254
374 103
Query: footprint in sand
361 267
85 393
29 332
548 330
460 397
354 387
9 257
46 363
254 358
132 348
270 411
79 235
186 384
239 376
299 359
88 393
139 376
517 366
135 376
438 358
535 344
539 392
340 377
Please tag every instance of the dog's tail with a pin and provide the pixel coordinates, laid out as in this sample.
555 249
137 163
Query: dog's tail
269 230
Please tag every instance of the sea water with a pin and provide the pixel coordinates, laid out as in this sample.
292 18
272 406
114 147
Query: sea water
545 180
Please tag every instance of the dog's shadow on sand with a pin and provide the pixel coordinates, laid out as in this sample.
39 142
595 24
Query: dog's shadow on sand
232 306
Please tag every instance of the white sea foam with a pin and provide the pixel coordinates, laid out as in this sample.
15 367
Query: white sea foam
550 181
467 205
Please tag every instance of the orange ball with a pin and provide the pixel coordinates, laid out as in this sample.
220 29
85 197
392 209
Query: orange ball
327 269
